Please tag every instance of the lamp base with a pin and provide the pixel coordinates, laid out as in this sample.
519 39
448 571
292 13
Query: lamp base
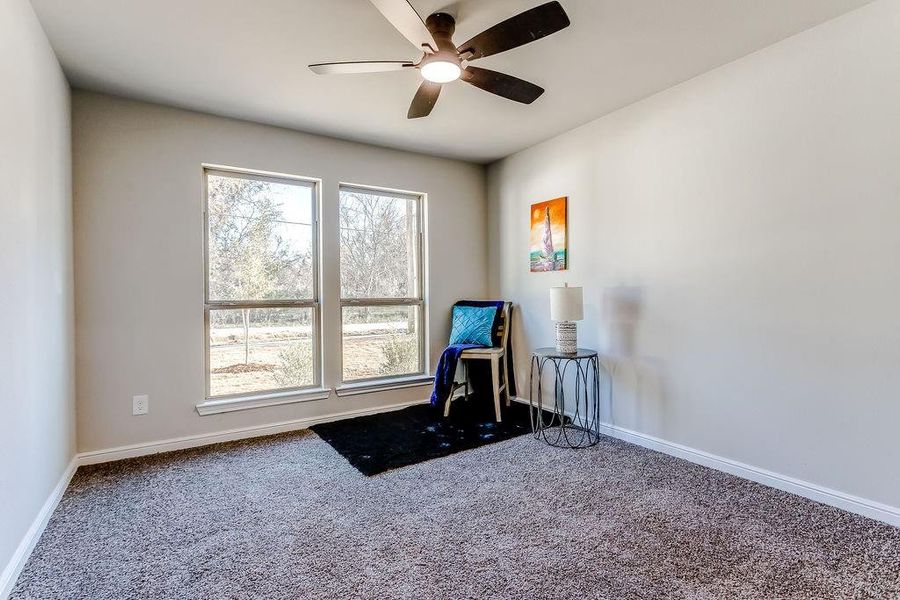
567 337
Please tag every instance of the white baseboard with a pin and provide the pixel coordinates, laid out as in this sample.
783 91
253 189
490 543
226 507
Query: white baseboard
29 541
230 435
848 502
855 504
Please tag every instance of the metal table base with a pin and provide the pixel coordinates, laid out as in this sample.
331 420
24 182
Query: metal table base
573 422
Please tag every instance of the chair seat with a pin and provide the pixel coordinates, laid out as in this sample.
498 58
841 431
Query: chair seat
481 352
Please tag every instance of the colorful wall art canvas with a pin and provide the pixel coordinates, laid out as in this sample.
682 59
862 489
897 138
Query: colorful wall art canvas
549 236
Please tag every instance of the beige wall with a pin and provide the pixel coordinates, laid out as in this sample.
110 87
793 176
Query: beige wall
138 257
751 217
37 414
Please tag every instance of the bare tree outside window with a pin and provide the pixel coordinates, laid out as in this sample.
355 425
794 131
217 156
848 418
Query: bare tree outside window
261 296
381 290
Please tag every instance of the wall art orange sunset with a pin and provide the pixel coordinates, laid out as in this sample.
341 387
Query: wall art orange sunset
549 235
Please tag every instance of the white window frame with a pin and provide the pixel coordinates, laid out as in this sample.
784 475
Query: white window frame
240 401
408 379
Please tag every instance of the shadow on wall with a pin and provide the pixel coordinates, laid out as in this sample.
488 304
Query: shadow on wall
637 396
633 390
521 347
621 313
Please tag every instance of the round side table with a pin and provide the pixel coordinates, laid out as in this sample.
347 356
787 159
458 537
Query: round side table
581 426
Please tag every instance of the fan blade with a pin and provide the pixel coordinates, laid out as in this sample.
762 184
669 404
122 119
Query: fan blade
406 20
502 84
516 31
364 66
424 100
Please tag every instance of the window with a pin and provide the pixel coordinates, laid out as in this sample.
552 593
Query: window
382 302
262 308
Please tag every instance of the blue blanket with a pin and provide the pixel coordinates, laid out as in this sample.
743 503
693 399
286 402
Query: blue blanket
446 369
446 372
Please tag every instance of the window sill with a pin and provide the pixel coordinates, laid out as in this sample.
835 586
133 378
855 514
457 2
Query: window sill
382 385
223 405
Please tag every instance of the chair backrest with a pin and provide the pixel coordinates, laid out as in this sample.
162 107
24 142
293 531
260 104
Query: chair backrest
505 323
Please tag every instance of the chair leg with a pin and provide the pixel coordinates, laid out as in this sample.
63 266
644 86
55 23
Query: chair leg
467 381
506 380
495 380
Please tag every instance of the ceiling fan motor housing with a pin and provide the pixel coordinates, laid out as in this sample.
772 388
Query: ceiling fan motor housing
444 64
441 25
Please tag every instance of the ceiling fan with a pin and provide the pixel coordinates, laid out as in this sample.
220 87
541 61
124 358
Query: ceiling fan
443 61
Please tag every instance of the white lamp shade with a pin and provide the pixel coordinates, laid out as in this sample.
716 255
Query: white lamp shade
566 304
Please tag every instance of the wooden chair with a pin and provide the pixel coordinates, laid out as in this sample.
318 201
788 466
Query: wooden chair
498 357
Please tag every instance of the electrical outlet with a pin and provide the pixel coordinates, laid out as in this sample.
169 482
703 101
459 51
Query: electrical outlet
140 405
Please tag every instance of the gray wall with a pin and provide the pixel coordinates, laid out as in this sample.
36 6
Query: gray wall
37 421
737 240
138 257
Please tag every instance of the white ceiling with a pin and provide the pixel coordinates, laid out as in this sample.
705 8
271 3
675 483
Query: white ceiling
247 59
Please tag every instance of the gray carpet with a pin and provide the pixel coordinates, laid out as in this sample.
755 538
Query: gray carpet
287 517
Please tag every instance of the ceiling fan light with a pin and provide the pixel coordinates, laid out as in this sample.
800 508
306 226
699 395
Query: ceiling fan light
441 71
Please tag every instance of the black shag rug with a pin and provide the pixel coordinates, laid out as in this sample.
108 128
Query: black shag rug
377 443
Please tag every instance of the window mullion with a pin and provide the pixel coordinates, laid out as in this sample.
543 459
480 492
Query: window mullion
381 302
225 304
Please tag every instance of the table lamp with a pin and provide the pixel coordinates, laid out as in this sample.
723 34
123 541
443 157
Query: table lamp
566 307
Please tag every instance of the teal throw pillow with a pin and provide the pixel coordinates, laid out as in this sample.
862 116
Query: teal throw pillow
473 325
